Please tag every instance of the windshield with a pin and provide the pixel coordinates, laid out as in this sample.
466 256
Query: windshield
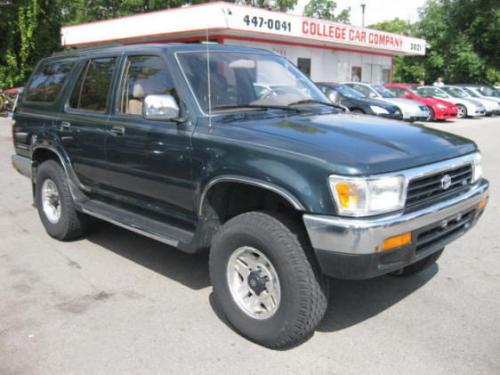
471 92
239 79
428 92
348 92
489 91
455 92
383 91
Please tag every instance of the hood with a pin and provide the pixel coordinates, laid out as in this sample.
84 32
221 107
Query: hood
352 144
490 105
441 101
404 103
377 102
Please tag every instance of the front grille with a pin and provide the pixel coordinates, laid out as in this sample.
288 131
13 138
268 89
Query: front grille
443 230
427 190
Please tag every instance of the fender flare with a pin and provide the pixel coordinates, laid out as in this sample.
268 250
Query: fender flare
290 198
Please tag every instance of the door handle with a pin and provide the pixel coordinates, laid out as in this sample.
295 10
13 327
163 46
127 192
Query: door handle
65 125
118 130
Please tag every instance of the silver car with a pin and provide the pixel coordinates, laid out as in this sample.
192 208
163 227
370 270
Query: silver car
411 110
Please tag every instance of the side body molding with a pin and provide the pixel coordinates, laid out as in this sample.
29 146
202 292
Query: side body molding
249 181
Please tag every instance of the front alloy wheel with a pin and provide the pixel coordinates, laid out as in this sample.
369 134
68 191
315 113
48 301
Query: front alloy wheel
462 111
253 282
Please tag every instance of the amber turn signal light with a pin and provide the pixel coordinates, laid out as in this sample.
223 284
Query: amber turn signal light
396 241
482 203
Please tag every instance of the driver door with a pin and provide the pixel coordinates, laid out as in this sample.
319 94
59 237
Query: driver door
149 161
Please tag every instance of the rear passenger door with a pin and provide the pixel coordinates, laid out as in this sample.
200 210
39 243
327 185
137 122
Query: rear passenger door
148 160
82 125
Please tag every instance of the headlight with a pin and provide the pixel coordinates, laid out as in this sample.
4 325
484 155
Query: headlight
379 110
368 196
442 106
477 167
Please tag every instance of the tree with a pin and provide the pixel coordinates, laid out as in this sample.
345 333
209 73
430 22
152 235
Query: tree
326 9
463 42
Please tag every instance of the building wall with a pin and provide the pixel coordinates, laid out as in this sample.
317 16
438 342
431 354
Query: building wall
330 65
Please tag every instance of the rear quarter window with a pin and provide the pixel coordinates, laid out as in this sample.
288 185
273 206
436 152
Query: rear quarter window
47 81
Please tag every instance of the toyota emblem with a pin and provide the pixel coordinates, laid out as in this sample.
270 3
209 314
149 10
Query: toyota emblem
446 182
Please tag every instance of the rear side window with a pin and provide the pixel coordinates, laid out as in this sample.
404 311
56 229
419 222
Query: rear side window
47 81
92 88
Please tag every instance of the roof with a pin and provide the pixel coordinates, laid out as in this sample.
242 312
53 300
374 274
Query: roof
230 21
173 47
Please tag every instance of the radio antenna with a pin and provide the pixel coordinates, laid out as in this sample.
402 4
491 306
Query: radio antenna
209 82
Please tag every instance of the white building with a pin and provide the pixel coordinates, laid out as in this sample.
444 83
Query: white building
325 50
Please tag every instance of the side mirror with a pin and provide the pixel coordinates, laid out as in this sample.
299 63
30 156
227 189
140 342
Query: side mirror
334 96
160 107
372 95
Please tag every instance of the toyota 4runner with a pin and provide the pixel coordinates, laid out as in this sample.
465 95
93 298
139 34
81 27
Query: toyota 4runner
233 150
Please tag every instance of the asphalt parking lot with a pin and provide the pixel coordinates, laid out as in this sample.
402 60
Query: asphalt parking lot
118 303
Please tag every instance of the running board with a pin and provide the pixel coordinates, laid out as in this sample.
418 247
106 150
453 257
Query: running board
159 231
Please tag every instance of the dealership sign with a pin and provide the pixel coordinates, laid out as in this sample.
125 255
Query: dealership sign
230 20
282 24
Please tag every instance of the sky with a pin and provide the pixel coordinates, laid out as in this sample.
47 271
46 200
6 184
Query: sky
376 10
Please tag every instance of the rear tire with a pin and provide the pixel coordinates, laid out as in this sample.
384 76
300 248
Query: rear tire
419 266
281 245
55 204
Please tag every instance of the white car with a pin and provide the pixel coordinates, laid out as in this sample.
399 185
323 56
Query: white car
411 110
492 107
466 107
483 92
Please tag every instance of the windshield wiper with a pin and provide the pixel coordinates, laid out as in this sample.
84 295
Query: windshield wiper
314 101
253 106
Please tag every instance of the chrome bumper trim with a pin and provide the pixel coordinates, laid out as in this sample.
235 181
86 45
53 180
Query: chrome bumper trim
22 164
363 236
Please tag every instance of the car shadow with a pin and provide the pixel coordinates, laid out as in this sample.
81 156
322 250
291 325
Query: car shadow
350 302
189 270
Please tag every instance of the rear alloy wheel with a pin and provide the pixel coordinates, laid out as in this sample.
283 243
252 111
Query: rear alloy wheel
55 203
265 282
462 111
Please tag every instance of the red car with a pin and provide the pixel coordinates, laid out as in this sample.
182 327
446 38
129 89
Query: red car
439 109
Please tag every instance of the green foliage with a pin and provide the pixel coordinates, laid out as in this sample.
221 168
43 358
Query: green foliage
463 40
326 9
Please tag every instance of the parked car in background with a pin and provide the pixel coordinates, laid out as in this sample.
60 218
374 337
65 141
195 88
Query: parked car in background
438 109
466 107
486 92
492 107
357 102
412 110
8 99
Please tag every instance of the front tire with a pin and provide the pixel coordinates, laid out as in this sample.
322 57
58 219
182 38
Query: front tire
432 115
264 282
462 111
55 204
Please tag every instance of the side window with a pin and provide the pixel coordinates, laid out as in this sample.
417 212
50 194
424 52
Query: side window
143 76
92 88
47 81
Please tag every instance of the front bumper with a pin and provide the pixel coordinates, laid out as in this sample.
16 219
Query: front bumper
349 248
419 115
477 113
